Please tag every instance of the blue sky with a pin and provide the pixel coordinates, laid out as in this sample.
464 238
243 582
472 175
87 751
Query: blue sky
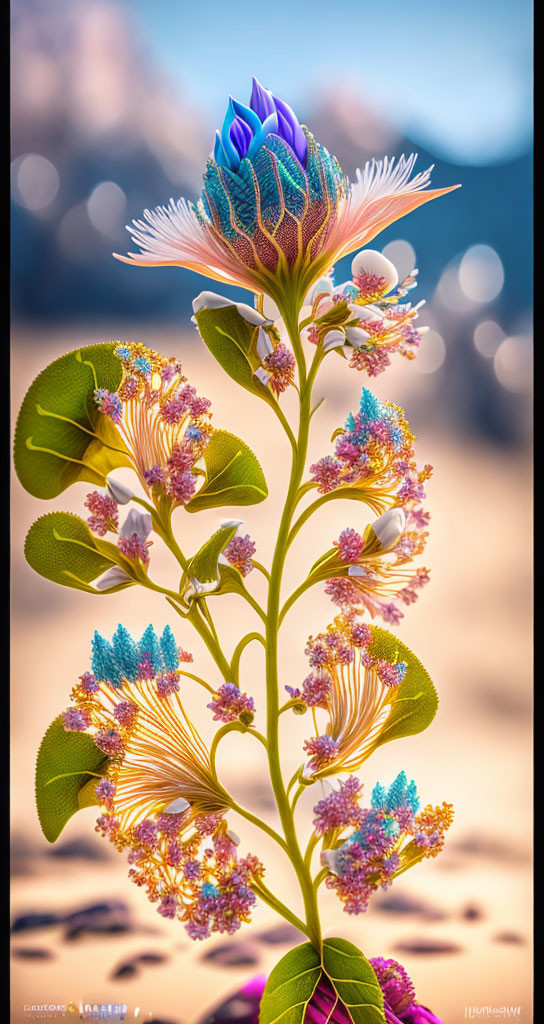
455 77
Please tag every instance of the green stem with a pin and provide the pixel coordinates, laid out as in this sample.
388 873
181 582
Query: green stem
238 650
273 622
319 878
295 596
310 849
197 679
267 897
348 493
261 568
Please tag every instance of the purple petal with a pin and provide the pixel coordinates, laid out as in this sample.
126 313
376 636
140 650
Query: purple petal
240 136
261 100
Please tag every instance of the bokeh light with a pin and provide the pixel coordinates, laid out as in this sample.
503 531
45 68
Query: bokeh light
106 206
35 181
431 354
402 256
513 363
481 273
487 337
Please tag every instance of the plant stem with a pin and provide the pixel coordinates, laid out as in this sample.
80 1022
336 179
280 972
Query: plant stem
273 613
239 649
278 906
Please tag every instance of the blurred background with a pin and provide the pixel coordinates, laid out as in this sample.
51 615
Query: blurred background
114 106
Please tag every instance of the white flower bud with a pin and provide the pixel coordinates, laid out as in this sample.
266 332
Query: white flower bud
357 570
390 527
119 492
356 336
364 313
177 806
329 859
211 300
334 339
264 344
112 578
369 261
262 375
137 522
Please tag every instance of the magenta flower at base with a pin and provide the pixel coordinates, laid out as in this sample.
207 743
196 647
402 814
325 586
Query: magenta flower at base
400 1003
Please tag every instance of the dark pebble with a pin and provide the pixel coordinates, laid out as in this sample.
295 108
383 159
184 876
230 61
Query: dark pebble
125 971
427 947
281 933
81 849
150 958
28 922
233 954
402 904
32 954
21 856
490 848
108 918
130 967
241 1008
510 938
472 913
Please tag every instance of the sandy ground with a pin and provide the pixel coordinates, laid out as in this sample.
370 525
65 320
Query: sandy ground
471 908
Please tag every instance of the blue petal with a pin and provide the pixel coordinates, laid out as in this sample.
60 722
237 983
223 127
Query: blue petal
149 645
169 650
126 653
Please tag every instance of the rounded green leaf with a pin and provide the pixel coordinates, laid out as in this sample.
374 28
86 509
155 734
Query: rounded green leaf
67 762
203 565
61 547
354 982
416 702
60 436
343 972
290 986
232 340
233 474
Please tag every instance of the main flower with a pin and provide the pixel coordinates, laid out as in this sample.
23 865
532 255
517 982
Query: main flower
276 210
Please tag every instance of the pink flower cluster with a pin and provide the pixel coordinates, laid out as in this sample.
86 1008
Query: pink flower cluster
239 553
231 704
104 513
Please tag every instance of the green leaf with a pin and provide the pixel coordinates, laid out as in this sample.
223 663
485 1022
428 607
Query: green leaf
61 547
290 986
233 474
230 581
203 565
67 762
354 981
60 436
338 315
232 342
416 702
